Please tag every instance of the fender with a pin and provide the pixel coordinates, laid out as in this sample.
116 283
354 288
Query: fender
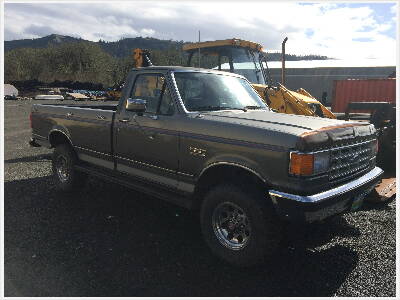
236 161
61 129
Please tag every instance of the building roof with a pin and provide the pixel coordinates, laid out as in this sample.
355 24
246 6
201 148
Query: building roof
310 64
333 63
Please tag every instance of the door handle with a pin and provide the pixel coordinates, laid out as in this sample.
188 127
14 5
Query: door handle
101 117
70 114
123 120
153 117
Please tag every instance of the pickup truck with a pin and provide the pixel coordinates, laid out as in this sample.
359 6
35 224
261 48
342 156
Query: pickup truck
205 140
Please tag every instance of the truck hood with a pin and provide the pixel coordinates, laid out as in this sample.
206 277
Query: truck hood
270 120
312 132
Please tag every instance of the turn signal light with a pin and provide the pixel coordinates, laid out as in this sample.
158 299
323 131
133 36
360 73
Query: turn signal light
301 164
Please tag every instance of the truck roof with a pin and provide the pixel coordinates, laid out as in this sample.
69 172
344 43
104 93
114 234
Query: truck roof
187 69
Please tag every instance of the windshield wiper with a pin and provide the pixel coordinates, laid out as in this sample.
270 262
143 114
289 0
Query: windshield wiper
201 108
251 107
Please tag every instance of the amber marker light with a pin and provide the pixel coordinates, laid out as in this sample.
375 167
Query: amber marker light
301 164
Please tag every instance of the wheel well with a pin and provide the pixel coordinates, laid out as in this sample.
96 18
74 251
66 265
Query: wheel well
219 174
57 138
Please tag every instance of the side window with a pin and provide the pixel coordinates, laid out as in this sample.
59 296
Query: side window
167 104
148 87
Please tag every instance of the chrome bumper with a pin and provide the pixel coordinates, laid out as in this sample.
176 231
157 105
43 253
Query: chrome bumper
320 206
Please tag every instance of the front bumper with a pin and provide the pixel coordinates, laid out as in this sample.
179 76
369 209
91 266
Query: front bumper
325 204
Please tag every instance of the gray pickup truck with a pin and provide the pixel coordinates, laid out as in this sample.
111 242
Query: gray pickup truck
205 140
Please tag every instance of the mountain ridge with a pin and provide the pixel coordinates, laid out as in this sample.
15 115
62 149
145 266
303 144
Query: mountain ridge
123 47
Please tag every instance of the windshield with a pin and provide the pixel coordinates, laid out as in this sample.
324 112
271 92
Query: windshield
210 92
246 63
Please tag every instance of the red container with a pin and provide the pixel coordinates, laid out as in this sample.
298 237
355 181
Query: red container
362 90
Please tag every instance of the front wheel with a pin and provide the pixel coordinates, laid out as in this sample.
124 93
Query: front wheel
239 227
65 176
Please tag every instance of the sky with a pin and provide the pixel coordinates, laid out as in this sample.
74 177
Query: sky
348 30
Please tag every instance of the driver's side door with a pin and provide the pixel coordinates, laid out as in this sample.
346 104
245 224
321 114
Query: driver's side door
147 144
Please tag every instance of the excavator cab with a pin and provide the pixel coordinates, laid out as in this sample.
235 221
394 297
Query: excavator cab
248 59
233 56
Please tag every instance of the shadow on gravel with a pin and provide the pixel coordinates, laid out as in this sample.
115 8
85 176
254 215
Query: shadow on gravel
378 206
317 234
107 240
33 158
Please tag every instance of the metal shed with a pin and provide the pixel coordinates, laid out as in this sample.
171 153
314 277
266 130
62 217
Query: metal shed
318 76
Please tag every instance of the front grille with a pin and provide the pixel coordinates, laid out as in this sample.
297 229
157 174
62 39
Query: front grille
348 160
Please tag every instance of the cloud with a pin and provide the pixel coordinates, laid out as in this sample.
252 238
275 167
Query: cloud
393 9
332 29
39 30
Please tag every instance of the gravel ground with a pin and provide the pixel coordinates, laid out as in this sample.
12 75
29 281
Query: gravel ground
111 241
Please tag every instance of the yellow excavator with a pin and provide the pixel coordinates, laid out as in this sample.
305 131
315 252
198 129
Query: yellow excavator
248 59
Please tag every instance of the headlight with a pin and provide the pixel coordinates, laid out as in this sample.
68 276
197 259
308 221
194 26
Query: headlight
321 162
309 164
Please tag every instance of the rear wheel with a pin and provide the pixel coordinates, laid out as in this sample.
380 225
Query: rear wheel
239 226
65 176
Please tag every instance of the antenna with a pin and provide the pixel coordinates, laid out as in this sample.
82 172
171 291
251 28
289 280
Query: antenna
199 49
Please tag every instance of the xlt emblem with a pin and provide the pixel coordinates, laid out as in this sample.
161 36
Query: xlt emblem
197 151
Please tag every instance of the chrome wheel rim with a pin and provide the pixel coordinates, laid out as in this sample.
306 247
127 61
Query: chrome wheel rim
231 226
62 168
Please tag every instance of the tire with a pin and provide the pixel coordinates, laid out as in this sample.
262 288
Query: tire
259 228
66 178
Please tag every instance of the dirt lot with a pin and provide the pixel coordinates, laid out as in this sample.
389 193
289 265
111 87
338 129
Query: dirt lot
111 241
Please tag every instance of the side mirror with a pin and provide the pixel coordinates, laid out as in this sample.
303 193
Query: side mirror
136 105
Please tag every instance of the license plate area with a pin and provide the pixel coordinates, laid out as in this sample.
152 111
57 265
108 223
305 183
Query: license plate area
358 200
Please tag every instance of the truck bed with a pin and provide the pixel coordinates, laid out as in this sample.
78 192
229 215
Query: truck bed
90 127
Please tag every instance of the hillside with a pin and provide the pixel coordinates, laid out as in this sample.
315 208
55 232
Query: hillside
43 42
72 61
120 48
123 47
